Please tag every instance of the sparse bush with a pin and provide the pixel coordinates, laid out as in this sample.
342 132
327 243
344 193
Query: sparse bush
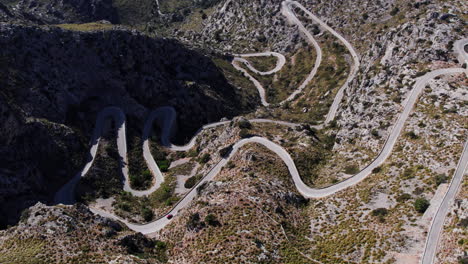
224 152
201 187
408 173
204 158
463 222
160 245
141 181
403 197
147 214
230 165
412 135
380 213
163 165
190 182
421 204
440 178
243 123
351 169
194 223
376 170
244 133
211 220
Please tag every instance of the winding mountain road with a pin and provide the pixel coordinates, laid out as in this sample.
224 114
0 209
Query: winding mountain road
354 69
288 12
433 237
302 188
166 117
281 61
240 59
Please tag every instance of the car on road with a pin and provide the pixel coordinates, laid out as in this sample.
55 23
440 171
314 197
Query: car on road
169 216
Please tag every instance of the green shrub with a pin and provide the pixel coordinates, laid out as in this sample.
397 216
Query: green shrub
408 173
244 124
194 223
160 245
380 213
412 135
376 169
142 180
147 214
192 153
163 193
440 178
204 158
201 187
230 165
351 169
124 206
244 133
211 220
190 182
421 205
163 165
224 152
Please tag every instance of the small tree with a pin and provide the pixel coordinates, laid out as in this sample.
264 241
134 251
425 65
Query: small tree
403 197
243 123
380 213
439 179
190 182
163 165
211 220
147 214
421 205
224 152
244 133
205 158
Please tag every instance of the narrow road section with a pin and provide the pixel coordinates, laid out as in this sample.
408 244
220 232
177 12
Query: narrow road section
437 225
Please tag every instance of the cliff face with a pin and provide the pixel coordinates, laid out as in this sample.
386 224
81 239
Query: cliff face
53 83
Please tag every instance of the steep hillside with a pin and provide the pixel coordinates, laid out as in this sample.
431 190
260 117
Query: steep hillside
54 82
72 234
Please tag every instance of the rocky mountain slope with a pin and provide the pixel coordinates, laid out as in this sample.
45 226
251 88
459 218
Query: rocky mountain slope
72 234
54 82
58 11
